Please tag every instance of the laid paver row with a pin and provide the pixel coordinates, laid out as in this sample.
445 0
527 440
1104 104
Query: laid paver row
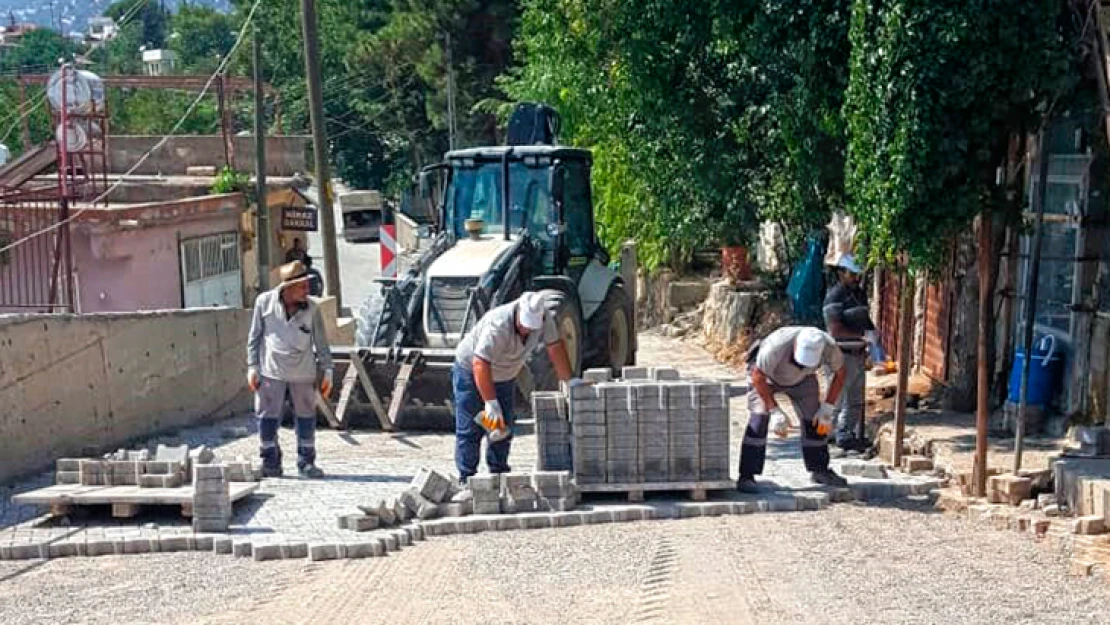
273 547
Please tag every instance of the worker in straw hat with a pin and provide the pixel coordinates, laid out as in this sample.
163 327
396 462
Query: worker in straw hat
786 362
288 349
487 362
848 320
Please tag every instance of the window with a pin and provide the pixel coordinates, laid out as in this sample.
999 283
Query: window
476 194
577 212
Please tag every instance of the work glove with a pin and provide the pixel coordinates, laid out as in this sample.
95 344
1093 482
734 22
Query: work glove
824 419
492 420
253 379
326 382
779 424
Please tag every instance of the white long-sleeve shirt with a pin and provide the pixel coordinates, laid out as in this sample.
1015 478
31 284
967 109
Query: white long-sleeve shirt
290 349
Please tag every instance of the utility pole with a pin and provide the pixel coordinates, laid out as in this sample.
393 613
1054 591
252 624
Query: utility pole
451 130
320 150
262 206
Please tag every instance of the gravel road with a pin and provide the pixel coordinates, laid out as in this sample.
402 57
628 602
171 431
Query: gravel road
848 564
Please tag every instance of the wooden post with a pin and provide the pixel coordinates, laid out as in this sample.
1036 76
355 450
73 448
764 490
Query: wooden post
905 348
629 270
982 404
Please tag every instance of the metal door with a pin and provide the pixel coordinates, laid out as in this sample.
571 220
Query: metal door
211 271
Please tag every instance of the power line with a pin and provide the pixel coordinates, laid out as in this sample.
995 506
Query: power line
165 139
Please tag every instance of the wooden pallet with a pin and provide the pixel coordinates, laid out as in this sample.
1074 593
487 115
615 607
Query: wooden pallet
126 501
699 491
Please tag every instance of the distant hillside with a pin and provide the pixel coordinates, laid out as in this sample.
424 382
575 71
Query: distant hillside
73 15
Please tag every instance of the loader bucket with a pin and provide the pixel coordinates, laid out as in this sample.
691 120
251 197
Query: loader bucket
412 386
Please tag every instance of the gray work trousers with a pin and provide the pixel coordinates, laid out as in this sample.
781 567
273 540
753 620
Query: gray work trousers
806 397
269 402
850 407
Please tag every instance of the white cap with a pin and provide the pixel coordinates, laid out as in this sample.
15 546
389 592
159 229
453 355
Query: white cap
847 261
530 310
809 346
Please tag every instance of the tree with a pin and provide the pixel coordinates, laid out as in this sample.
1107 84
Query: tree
201 36
936 90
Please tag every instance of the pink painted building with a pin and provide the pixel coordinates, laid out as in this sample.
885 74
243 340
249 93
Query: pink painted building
173 254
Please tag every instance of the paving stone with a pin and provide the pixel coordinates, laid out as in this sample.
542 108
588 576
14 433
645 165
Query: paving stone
487 508
294 551
432 485
359 522
64 549
416 532
241 548
177 454
323 551
367 549
173 543
390 541
484 483
265 552
68 465
1088 525
99 547
222 545
912 464
597 375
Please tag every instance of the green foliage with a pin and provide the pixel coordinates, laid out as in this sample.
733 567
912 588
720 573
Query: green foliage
723 112
936 90
39 50
201 36
231 181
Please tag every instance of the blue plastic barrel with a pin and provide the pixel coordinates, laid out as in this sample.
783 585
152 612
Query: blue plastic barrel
1045 373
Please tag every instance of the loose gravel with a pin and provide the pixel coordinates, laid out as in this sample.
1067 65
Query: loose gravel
156 588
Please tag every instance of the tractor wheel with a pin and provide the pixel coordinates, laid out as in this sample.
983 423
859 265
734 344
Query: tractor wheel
610 333
568 321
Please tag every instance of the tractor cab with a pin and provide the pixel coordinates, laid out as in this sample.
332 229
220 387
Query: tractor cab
543 191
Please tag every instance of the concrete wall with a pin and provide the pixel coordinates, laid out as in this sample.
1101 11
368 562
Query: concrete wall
71 384
285 155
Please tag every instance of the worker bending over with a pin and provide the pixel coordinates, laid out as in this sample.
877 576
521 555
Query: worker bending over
786 361
487 362
288 349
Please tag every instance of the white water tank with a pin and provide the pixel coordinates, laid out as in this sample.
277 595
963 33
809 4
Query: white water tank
84 91
72 136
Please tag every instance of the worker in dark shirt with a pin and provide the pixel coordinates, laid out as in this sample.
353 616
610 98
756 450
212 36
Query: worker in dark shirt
848 320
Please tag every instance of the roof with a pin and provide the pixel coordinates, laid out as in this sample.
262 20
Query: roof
520 151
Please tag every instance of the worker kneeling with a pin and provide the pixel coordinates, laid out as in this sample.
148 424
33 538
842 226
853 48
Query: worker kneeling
487 362
786 361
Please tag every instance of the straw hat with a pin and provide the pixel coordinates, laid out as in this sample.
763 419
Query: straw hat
292 273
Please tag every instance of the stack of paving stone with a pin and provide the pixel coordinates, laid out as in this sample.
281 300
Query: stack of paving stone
169 468
552 431
513 493
211 499
649 427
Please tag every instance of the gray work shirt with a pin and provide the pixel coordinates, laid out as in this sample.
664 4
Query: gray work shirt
290 349
776 357
496 340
